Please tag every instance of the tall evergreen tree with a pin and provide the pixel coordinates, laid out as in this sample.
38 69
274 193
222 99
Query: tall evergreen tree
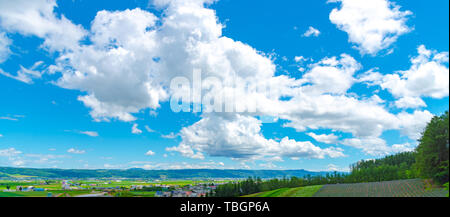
433 151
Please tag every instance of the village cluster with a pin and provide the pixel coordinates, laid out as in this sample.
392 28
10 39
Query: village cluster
110 188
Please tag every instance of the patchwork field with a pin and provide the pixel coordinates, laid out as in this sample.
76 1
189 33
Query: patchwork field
400 188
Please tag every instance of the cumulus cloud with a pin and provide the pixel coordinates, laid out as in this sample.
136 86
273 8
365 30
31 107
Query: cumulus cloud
311 32
331 75
372 25
133 55
339 112
428 76
240 137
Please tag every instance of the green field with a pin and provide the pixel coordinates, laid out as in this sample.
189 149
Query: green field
307 191
42 193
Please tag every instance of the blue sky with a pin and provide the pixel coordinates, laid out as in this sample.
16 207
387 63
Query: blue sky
85 84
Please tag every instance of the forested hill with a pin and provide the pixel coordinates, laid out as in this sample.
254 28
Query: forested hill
152 174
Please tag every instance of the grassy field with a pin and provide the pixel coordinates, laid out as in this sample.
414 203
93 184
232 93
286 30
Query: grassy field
42 193
307 191
400 188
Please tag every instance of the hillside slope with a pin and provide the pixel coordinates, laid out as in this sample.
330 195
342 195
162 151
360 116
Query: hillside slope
399 188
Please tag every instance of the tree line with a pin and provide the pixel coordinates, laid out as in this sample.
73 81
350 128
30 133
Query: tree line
430 160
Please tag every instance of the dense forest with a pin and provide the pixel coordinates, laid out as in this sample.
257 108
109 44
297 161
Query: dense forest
428 161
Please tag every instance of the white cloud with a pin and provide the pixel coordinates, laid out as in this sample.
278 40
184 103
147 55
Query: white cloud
5 42
427 77
377 146
170 136
240 137
410 102
38 18
10 152
342 113
332 167
331 75
150 153
126 44
75 151
311 32
335 168
90 133
1 135
134 55
135 129
369 145
26 75
268 165
186 151
149 129
9 118
412 125
102 111
43 158
405 147
18 159
112 166
178 165
373 25
324 138
18 163
292 148
299 59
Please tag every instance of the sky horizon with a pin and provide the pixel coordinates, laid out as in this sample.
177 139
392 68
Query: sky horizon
89 84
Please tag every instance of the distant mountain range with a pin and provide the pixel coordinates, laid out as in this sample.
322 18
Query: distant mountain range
6 172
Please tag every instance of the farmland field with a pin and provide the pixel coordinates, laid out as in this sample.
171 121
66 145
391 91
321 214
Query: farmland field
400 188
307 191
42 193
